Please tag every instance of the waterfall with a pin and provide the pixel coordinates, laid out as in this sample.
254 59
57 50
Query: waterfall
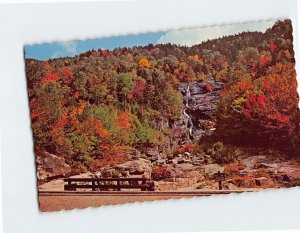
190 122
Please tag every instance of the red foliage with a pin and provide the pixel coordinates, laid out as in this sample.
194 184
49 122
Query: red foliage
280 120
49 77
266 84
139 88
61 123
32 102
104 52
66 72
274 107
245 86
209 88
186 78
261 100
251 98
151 51
94 53
189 147
36 115
273 47
264 60
159 173
254 104
177 72
76 94
253 70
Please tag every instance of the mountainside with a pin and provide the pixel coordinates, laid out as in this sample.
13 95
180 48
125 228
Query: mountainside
208 102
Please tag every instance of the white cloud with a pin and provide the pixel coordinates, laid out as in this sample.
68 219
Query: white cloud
67 49
57 54
70 47
194 36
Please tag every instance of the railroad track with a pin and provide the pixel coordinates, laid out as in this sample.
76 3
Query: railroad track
138 193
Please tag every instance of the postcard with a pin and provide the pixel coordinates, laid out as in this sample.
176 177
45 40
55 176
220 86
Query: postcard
164 115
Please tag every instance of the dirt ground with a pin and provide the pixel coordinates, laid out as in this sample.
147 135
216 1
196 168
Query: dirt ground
57 203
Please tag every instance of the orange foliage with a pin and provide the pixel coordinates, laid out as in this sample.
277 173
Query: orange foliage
61 123
144 63
110 155
98 127
233 168
123 120
189 147
108 160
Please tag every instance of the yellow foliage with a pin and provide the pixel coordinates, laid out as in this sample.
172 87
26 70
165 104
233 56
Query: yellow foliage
144 63
239 101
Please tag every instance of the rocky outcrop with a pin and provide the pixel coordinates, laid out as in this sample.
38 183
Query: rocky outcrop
204 96
200 99
50 166
275 167
135 167
265 171
211 169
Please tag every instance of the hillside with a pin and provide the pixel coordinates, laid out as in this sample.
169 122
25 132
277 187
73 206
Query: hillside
212 102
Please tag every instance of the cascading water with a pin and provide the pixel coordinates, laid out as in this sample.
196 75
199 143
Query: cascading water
199 109
190 122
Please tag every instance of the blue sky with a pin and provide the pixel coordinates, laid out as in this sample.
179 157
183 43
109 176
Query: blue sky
188 36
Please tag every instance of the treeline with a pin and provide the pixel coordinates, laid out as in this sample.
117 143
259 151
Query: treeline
95 107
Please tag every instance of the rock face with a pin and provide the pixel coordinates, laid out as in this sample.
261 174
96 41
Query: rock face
264 171
211 169
278 169
135 167
182 176
200 100
51 166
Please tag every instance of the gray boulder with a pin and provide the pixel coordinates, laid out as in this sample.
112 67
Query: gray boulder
135 167
50 166
211 169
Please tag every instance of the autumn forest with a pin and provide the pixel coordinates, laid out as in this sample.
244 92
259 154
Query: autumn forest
106 107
